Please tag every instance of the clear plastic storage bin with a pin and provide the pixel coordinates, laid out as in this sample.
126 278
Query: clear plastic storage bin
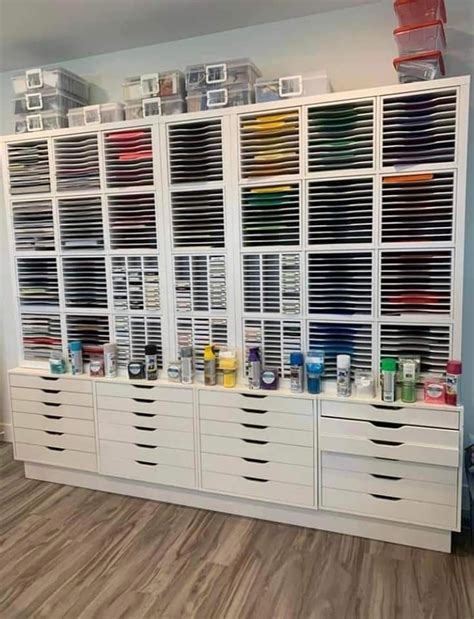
38 101
306 84
163 84
221 74
95 114
419 67
415 12
44 121
220 97
424 38
51 79
154 106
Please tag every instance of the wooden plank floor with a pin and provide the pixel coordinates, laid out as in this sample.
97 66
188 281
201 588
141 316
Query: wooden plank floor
69 552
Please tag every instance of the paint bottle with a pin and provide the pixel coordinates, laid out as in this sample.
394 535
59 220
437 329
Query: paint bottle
56 363
389 371
269 378
210 367
453 377
434 390
228 365
314 370
151 362
343 376
187 365
77 365
408 377
296 372
254 368
110 360
136 370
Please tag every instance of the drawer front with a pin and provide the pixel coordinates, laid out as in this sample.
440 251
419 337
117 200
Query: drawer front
49 408
250 415
181 424
54 423
403 434
149 472
76 385
148 453
145 405
261 469
259 489
54 439
257 433
400 510
130 390
399 487
381 412
51 395
66 458
146 436
404 451
377 466
259 402
242 448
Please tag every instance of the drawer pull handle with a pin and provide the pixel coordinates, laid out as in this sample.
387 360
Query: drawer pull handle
52 416
386 424
253 441
146 446
253 410
55 448
255 460
386 498
143 400
387 408
263 481
146 463
253 426
143 386
143 428
389 477
388 443
144 414
253 395
387 459
51 390
54 433
49 377
51 403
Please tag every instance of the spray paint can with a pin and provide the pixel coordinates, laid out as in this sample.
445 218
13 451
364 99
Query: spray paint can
254 368
110 360
151 362
296 372
77 365
343 376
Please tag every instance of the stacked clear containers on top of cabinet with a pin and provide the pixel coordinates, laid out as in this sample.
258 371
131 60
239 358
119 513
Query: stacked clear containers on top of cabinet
154 94
303 85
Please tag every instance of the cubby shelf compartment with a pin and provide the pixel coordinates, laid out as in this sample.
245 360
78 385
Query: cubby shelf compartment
271 215
85 282
195 151
272 283
200 283
199 332
132 333
41 335
341 136
340 211
132 221
136 283
81 223
92 331
419 128
340 283
28 167
337 338
77 162
33 225
418 208
129 158
276 339
198 218
432 342
38 281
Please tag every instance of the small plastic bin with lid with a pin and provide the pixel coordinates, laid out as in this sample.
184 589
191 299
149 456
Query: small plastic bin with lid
241 94
95 114
419 67
427 37
162 84
37 101
154 106
220 74
51 79
416 12
42 121
306 84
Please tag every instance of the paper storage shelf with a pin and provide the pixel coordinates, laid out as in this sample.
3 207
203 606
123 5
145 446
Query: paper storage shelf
198 332
42 121
155 106
419 67
304 85
198 218
41 335
200 283
425 37
92 331
132 221
221 74
136 283
33 225
229 96
95 114
51 79
129 158
81 224
162 84
132 333
38 283
412 12
276 338
37 101
77 162
85 282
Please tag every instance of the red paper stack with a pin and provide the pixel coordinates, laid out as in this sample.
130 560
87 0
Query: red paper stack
420 38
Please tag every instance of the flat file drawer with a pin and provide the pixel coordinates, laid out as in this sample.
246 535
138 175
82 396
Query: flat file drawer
55 439
144 435
257 432
130 390
438 418
258 489
148 453
149 472
262 469
76 385
260 450
54 423
181 424
280 404
66 458
52 408
250 415
143 404
51 395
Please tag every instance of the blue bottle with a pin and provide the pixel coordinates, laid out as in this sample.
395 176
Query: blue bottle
314 370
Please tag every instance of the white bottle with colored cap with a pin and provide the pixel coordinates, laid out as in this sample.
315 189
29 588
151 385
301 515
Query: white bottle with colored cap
343 376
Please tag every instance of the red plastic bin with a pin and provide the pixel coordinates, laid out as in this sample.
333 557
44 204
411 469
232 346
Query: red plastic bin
428 37
419 67
414 12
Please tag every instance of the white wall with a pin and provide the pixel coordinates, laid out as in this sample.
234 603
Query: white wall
354 45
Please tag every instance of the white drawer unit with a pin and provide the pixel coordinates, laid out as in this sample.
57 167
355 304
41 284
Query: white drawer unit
148 392
111 450
150 420
54 423
53 438
145 405
53 408
152 472
53 395
257 401
55 456
255 416
146 434
76 385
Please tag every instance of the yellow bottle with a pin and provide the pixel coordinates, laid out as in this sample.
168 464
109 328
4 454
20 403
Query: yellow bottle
228 365
210 369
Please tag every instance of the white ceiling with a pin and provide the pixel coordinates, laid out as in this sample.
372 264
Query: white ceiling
38 32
